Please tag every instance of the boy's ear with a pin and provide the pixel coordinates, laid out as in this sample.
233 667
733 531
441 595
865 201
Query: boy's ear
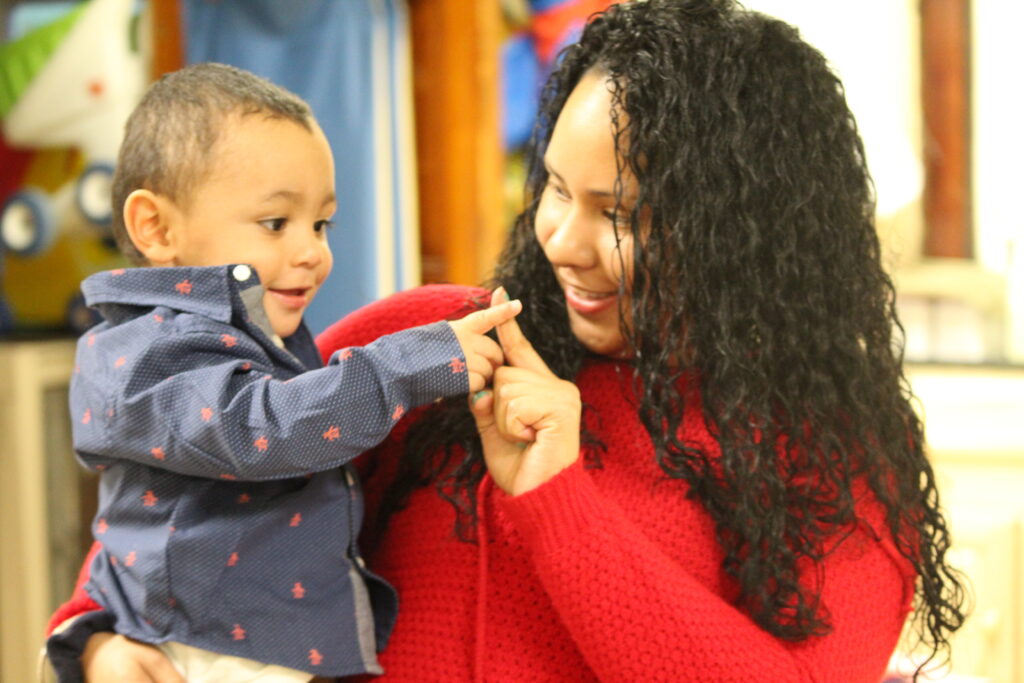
149 219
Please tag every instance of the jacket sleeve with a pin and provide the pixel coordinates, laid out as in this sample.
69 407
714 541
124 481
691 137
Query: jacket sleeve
194 405
636 614
81 616
71 626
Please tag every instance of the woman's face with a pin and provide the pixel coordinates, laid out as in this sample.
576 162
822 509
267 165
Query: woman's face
576 221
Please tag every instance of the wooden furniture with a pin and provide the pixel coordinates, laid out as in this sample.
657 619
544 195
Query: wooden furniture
46 498
973 420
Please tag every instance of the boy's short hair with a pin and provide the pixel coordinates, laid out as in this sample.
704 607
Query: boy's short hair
171 136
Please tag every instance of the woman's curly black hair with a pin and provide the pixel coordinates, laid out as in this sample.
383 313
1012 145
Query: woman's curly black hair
759 272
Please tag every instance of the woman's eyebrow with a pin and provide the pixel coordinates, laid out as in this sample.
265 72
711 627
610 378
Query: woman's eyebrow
592 192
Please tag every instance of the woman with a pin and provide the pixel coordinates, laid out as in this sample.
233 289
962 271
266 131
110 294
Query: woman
699 462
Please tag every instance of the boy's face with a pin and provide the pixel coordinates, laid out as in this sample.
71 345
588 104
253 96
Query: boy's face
266 201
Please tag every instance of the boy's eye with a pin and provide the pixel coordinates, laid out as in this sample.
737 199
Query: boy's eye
324 225
274 224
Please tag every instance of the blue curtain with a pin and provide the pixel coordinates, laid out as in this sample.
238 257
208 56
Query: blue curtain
345 59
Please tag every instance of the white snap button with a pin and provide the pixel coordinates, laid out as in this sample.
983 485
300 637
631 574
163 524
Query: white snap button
241 272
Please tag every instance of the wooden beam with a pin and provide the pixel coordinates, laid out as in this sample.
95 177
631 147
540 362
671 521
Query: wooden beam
167 37
946 101
455 48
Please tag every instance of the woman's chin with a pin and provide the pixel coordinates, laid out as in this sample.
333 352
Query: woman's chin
603 342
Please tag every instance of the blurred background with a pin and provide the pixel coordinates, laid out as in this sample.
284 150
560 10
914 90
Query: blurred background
427 105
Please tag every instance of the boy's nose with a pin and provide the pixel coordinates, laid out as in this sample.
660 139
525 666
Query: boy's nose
309 252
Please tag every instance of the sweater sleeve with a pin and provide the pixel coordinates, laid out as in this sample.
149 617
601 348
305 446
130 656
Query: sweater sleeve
418 306
636 614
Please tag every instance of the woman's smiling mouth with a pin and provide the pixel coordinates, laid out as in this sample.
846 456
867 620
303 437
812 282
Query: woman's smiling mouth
587 302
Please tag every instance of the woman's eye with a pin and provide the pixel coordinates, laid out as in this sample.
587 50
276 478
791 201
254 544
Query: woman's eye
323 226
274 224
558 190
619 220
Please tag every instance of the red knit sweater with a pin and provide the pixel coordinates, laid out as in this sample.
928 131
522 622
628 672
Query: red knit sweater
607 573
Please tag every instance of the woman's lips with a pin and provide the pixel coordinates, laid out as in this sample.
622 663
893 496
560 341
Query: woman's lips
589 303
290 298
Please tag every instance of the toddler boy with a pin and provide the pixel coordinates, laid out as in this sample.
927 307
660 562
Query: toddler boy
228 514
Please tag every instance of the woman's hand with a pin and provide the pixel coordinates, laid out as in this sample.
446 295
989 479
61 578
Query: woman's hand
112 658
530 423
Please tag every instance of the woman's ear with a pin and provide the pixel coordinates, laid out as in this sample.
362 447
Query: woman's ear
149 219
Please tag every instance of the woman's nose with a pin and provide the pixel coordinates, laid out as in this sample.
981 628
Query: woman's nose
568 244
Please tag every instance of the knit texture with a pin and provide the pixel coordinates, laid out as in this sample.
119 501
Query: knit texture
603 573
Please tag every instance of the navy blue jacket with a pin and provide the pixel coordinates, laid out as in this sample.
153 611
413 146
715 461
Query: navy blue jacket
227 514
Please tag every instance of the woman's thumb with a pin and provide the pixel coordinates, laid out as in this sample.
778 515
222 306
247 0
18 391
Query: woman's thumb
481 405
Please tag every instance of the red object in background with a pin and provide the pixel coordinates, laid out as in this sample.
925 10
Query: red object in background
550 28
13 164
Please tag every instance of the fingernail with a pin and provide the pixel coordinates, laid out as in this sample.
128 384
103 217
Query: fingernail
504 293
479 395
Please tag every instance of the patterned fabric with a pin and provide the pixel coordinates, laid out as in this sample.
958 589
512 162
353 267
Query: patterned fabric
227 514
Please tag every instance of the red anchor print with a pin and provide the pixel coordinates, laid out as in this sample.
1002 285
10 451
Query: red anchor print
113 560
345 354
457 365
119 362
228 477
332 433
244 498
261 443
233 559
130 559
102 526
298 591
158 453
247 366
315 657
206 414
296 519
228 340
148 499
184 287
238 633
157 317
91 339
399 412
87 417
117 271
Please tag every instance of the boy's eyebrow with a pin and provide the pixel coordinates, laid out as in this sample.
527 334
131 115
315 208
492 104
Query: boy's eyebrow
294 196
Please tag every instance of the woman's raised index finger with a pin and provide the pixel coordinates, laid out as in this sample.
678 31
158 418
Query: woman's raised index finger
519 352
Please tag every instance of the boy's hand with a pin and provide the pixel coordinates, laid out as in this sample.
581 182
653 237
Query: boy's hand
482 353
109 657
